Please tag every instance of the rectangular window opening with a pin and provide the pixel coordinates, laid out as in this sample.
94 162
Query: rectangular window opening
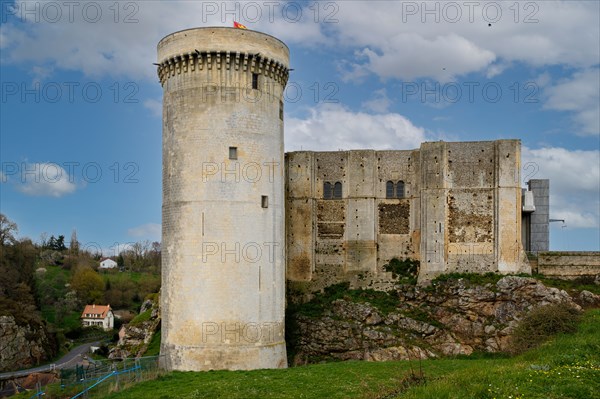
264 201
233 153
255 81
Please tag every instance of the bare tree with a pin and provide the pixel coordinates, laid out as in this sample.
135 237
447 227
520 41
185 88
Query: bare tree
8 229
74 244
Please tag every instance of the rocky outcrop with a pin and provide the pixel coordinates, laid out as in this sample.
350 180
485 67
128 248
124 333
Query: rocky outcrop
588 299
137 335
23 345
452 317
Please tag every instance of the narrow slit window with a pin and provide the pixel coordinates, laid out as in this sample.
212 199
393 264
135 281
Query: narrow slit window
327 192
281 110
264 201
400 189
389 189
233 153
337 190
255 81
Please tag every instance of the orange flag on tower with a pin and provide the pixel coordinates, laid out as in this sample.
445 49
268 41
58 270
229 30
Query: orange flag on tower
238 25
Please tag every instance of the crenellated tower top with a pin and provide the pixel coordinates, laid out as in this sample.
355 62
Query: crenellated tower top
219 48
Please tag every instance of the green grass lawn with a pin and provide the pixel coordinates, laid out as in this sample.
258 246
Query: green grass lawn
154 346
566 367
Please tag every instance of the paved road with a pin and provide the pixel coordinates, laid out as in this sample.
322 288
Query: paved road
68 360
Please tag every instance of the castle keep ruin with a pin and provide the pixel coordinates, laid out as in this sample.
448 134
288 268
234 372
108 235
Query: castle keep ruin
456 207
228 246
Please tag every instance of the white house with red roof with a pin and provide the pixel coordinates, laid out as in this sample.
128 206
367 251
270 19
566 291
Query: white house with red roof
99 316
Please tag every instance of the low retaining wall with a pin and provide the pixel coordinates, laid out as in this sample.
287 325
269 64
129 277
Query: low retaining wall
568 264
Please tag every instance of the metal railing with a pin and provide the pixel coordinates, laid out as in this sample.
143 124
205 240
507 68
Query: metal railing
100 378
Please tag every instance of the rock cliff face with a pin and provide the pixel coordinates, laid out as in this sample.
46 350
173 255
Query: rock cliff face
23 346
449 318
137 335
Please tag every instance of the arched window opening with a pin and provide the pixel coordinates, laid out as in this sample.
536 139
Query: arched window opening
389 189
400 189
337 190
327 192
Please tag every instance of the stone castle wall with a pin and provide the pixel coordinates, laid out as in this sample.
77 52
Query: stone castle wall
568 264
460 212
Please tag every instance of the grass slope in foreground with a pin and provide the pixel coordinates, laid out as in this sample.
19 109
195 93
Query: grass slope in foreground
568 366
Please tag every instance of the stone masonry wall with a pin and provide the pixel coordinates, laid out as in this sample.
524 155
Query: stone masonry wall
460 212
569 264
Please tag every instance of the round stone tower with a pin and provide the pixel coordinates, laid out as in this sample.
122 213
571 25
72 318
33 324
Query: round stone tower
223 269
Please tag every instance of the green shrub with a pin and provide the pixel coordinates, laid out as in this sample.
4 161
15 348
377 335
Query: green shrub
74 333
542 323
472 278
406 271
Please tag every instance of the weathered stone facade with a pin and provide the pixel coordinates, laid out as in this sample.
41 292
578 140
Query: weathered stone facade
223 235
456 207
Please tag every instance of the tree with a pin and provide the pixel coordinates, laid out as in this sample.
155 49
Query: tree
88 284
44 240
74 244
8 229
56 244
143 256
17 265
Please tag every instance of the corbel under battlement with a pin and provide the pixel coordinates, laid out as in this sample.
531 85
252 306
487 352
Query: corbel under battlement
199 60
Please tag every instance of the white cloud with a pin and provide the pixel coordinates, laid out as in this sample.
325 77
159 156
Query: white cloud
411 43
409 56
579 94
154 106
379 102
575 219
46 179
124 44
151 231
40 73
543 80
574 182
399 44
333 127
496 69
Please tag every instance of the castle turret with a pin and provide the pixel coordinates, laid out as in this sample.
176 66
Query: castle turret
223 242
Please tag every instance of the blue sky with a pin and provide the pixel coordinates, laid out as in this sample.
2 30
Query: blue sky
80 124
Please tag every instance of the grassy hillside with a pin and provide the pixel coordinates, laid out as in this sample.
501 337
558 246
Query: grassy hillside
123 290
566 367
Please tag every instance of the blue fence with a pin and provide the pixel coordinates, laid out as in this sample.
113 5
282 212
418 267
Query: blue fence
101 378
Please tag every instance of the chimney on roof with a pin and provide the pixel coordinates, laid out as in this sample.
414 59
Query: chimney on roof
94 306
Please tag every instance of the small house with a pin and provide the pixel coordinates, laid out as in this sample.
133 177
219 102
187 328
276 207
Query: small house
108 263
99 316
